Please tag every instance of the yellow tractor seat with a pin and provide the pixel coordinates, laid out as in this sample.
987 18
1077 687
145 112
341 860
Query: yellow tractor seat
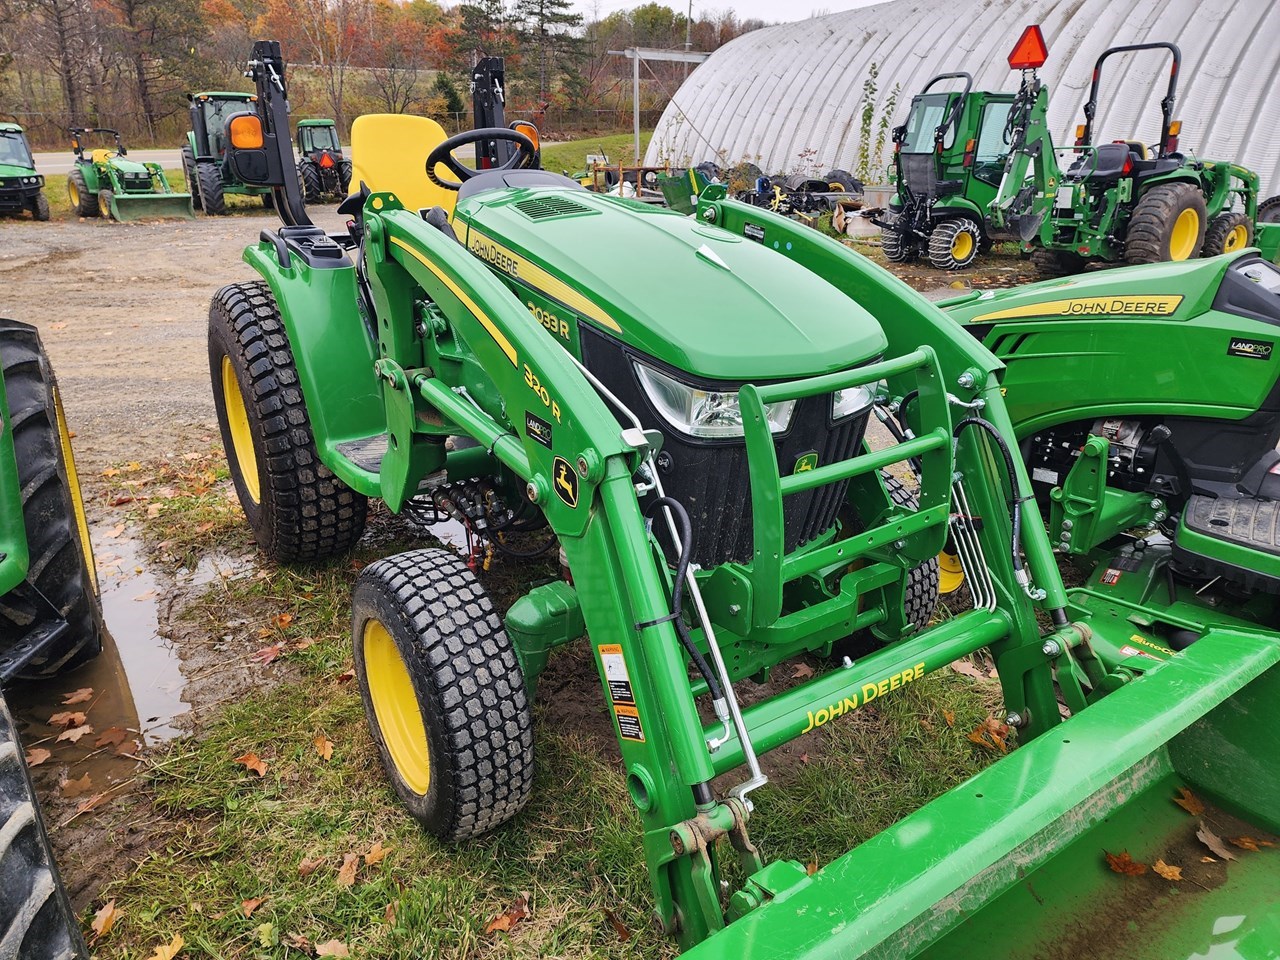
1137 147
101 155
389 155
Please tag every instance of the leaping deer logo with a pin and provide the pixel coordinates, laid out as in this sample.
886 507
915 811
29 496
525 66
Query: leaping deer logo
565 481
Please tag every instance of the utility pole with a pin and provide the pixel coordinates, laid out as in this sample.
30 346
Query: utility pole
688 40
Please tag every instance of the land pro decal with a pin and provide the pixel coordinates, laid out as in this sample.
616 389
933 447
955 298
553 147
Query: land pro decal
1253 349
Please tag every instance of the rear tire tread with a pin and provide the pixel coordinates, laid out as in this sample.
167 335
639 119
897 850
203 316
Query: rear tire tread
1147 239
209 180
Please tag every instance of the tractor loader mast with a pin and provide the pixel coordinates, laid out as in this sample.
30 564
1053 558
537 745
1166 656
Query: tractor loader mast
488 99
266 69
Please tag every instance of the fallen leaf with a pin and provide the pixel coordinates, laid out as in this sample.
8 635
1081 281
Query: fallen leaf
811 867
389 914
111 472
377 853
73 788
304 643
253 762
1208 860
86 805
120 501
991 733
1125 864
75 733
801 671
309 865
1214 843
1249 843
967 669
78 696
267 654
283 620
153 511
1189 802
111 737
324 747
950 717
68 718
144 595
167 951
37 756
347 872
619 927
346 676
247 907
104 920
1166 871
508 918
804 758
297 941
204 527
115 531
332 948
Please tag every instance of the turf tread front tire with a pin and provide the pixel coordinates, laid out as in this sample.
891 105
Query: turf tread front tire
468 684
209 181
1220 232
1150 230
58 567
303 512
945 237
1056 263
36 919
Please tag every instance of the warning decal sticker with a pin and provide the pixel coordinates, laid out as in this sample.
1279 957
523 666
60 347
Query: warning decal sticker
629 723
615 674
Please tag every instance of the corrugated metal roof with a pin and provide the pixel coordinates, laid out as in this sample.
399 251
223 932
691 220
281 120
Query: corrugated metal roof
774 94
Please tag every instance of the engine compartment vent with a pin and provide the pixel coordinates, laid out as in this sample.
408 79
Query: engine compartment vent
551 207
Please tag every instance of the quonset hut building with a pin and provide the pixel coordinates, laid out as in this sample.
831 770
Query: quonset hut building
793 94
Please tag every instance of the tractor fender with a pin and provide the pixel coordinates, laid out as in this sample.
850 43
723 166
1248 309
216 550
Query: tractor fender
952 205
92 179
318 309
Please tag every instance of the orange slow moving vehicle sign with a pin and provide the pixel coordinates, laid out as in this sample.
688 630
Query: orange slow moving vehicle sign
1029 52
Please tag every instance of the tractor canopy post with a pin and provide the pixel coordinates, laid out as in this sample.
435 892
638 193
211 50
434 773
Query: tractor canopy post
1166 103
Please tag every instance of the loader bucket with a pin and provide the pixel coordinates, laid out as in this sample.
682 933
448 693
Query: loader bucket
149 206
1012 863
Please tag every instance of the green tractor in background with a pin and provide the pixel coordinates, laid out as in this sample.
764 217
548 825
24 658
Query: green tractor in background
204 153
50 623
479 338
322 169
1124 201
948 160
21 188
109 185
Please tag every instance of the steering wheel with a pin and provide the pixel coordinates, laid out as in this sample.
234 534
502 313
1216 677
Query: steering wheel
525 155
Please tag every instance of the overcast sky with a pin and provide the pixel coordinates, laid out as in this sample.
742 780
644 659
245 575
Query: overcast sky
769 10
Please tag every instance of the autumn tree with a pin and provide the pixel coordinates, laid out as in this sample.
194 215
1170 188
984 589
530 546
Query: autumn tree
551 30
398 53
329 35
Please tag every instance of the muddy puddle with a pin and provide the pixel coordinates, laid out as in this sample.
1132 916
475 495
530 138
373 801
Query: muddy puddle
137 684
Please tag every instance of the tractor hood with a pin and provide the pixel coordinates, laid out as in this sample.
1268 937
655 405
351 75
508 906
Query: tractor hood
8 170
695 296
1157 291
126 166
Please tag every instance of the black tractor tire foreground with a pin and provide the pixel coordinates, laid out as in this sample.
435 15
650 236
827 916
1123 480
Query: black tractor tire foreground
297 508
1154 231
427 636
61 569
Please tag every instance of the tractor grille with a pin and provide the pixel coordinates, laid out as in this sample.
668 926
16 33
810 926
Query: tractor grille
710 478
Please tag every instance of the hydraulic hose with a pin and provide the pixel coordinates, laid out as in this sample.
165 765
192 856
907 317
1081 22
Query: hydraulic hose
1015 500
677 591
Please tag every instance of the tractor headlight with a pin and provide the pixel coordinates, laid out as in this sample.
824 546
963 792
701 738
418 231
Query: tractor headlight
707 414
851 401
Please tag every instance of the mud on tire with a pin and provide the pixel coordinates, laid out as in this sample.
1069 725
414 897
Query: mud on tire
1152 228
465 680
302 512
35 914
60 568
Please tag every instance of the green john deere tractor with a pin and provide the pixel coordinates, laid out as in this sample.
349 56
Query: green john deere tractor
323 170
697 451
109 185
204 153
1123 201
50 622
21 188
948 161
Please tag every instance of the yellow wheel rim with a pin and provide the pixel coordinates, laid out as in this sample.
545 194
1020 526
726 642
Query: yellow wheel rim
238 425
1183 237
104 208
950 573
74 194
1237 239
73 484
396 707
962 245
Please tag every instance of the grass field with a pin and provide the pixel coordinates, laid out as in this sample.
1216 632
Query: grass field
571 155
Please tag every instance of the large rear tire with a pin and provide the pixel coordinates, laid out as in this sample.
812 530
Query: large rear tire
189 172
298 509
1167 224
309 177
209 181
1269 210
61 567
1227 233
84 203
36 918
443 692
344 176
954 243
